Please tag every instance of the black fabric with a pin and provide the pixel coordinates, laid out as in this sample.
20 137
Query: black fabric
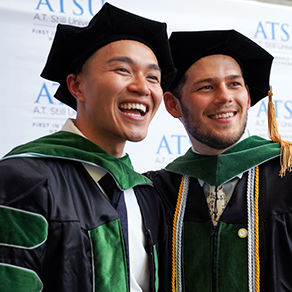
156 222
65 194
275 199
72 45
188 47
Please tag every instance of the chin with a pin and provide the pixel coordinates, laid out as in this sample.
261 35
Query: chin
136 138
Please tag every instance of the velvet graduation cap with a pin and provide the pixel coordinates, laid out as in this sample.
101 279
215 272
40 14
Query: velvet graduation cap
188 47
255 62
72 46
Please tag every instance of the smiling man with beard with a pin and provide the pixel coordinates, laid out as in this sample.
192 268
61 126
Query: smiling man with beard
215 110
74 214
229 197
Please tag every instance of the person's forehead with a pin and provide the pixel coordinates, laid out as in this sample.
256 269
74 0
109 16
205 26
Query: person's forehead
211 63
210 60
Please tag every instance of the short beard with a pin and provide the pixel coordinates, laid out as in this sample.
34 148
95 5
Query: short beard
209 138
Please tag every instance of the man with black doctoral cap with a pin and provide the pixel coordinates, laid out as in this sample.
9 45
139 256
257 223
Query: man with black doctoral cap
230 195
74 214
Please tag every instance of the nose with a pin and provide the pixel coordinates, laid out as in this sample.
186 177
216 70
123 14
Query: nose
223 94
139 84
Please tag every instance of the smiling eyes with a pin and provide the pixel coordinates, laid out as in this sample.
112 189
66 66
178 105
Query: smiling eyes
232 85
205 87
151 77
123 70
235 84
155 78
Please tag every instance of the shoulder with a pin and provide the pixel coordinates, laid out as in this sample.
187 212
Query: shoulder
274 191
166 184
25 178
32 167
16 170
163 178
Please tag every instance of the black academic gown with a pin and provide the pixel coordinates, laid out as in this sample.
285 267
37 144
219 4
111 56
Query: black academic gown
215 258
59 233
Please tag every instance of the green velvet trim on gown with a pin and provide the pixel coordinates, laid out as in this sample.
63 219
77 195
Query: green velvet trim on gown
75 147
156 264
109 255
215 170
230 266
21 228
11 275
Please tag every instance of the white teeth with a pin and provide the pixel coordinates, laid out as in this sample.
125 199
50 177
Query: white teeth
223 116
131 114
137 106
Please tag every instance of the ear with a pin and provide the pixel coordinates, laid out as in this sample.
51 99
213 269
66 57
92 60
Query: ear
73 85
248 105
172 104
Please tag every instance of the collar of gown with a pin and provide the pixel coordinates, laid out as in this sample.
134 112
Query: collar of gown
216 170
66 145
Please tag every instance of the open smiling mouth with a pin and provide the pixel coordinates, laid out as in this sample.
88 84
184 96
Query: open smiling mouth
133 109
223 116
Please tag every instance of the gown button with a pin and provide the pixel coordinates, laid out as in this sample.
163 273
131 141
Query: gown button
242 233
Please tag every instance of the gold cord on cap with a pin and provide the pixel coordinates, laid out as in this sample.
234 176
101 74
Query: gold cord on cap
286 146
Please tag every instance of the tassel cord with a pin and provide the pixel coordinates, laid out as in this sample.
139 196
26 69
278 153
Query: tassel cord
250 228
174 272
253 232
256 231
176 283
179 233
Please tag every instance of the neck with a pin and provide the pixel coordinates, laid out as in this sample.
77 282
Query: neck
108 143
206 150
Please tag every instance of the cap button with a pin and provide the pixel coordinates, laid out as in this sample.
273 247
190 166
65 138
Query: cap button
242 233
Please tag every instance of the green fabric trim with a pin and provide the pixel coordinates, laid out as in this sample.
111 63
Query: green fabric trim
22 229
17 279
64 145
109 257
231 260
215 170
156 268
197 256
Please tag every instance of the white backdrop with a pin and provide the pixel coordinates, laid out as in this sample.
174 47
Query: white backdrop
28 109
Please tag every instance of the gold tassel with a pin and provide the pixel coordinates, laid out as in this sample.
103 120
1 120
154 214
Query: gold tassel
286 146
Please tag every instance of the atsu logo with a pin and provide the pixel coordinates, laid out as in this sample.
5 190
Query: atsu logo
281 106
48 113
44 93
277 31
47 105
175 144
77 7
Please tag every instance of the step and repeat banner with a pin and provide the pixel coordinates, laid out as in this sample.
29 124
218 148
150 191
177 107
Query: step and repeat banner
28 109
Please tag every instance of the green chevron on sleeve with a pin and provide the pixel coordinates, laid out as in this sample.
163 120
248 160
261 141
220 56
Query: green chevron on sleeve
21 228
17 279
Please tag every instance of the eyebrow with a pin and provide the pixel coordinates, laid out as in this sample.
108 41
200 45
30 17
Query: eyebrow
229 77
131 62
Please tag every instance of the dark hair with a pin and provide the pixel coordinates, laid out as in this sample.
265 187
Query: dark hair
177 90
